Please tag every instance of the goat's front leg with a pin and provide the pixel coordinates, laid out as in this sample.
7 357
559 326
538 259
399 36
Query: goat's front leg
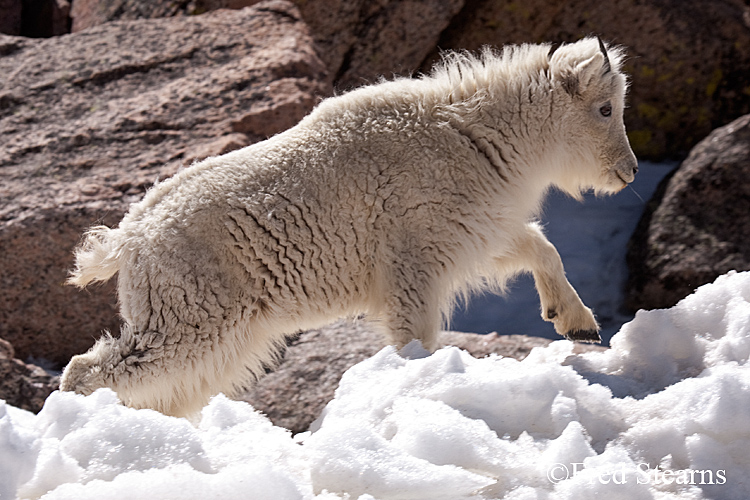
560 302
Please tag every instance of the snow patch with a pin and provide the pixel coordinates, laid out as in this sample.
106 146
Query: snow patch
663 414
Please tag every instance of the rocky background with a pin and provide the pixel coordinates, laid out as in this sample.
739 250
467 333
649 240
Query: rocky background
100 98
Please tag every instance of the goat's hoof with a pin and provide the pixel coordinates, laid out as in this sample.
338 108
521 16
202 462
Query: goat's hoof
584 336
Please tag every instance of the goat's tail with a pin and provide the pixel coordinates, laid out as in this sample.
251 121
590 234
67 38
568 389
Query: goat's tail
97 257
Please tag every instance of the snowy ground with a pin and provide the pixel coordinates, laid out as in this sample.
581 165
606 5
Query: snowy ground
592 239
663 414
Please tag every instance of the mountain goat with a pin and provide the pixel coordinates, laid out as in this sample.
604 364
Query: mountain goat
387 201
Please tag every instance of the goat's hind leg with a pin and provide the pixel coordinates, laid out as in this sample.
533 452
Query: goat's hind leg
137 366
176 348
95 369
412 305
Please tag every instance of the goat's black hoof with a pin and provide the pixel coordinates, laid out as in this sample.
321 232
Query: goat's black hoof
584 336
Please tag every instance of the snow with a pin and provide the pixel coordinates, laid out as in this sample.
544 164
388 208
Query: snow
592 239
663 414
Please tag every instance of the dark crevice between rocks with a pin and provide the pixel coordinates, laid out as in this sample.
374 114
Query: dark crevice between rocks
346 63
468 11
282 13
107 75
44 18
9 47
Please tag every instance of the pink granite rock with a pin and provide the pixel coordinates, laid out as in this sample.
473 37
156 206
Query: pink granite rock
23 385
89 121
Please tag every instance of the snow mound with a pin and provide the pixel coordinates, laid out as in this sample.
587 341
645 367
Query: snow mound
663 414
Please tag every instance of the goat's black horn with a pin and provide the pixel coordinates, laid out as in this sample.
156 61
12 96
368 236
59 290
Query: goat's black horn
552 49
607 65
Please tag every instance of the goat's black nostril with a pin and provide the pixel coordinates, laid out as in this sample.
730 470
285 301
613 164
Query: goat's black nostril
635 169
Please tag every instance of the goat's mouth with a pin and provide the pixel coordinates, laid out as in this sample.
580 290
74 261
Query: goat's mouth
616 182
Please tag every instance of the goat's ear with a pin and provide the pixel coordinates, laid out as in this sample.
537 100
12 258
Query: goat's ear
576 80
569 82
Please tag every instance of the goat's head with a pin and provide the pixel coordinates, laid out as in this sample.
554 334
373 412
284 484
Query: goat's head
589 93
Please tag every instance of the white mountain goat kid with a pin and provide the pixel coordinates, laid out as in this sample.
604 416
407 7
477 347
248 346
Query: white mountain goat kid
388 200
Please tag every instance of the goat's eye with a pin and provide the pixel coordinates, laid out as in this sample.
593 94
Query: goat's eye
606 110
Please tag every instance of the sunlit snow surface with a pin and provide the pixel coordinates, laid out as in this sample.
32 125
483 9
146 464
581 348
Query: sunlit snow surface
664 414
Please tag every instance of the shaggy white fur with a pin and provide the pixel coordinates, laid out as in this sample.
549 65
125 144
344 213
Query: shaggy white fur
389 200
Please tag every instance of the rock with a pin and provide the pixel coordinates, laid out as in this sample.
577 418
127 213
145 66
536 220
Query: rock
23 385
6 350
294 394
362 40
10 20
90 120
88 13
697 225
511 346
688 58
359 40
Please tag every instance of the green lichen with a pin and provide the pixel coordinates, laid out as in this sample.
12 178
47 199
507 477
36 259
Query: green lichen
713 84
511 6
701 116
661 118
665 77
647 71
519 9
642 142
647 111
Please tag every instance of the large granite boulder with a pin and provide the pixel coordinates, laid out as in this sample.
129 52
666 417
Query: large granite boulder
697 226
23 385
295 393
90 120
688 59
359 40
87 13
